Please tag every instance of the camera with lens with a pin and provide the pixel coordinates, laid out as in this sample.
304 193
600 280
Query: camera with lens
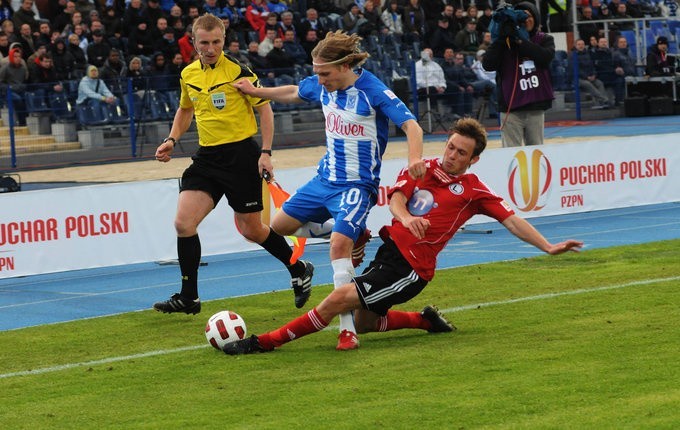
506 22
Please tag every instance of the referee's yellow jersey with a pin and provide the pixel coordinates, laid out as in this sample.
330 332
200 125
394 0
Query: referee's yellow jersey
223 114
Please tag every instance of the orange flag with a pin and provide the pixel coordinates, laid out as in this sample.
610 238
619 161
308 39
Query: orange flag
279 196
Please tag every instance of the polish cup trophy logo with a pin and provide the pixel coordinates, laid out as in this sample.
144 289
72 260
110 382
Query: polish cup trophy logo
529 180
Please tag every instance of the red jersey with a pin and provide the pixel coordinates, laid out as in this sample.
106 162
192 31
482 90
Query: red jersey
445 200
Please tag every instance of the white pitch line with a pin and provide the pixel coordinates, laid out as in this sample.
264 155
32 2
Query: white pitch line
449 310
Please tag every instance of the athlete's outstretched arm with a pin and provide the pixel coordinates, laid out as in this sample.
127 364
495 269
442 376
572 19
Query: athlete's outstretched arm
525 231
284 94
180 125
414 140
267 130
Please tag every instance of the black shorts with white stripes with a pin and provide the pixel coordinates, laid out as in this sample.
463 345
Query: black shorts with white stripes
388 280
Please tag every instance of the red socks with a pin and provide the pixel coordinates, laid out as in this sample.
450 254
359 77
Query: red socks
311 322
395 320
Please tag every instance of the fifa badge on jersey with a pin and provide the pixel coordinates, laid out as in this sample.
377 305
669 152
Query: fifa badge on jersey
219 100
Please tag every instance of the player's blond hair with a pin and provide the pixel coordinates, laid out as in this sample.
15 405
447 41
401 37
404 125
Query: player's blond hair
339 48
207 22
470 127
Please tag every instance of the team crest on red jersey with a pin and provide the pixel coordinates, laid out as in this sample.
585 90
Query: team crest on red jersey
457 189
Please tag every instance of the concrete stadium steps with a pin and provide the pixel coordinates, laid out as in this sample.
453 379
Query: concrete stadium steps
20 131
25 144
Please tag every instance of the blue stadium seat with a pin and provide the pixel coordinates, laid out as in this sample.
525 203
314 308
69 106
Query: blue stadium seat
36 101
117 113
62 108
91 113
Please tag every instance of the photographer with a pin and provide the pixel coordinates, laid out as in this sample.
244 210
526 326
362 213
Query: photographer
520 55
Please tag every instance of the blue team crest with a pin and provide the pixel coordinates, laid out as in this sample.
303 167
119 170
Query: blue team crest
219 100
351 102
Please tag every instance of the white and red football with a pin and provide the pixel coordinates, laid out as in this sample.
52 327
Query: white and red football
225 327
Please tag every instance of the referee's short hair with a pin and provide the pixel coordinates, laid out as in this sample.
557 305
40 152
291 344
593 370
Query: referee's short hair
207 22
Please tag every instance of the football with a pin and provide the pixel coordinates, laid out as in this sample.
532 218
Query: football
224 327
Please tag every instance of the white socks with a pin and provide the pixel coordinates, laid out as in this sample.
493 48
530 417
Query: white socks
343 272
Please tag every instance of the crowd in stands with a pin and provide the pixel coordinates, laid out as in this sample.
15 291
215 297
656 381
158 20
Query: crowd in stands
145 39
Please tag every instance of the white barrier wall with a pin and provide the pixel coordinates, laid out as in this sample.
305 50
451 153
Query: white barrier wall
105 225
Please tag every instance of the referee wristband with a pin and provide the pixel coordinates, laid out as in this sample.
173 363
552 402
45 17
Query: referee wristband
266 151
174 141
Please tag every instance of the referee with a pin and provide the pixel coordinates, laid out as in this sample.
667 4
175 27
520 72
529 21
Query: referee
228 162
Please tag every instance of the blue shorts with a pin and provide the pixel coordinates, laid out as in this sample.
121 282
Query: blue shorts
319 200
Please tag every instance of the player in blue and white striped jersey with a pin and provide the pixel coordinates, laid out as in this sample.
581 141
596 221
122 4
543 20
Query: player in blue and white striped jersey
357 107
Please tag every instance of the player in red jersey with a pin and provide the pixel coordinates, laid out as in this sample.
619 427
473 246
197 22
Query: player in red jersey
427 213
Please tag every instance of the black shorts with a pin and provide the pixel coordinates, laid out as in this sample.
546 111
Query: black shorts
227 170
388 280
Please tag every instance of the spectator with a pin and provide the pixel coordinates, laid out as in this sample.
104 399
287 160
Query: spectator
310 42
624 65
98 50
603 61
467 40
79 59
111 73
414 22
459 20
588 26
63 60
234 51
257 61
210 6
8 29
267 44
373 24
42 74
256 14
294 48
430 79
167 44
441 38
140 42
277 7
6 10
522 53
135 72
4 45
64 17
236 16
459 80
158 28
26 39
229 32
556 15
93 92
287 23
484 21
391 18
634 9
14 74
174 71
133 15
659 63
40 48
186 45
44 33
353 19
621 12
26 15
157 74
311 22
280 60
270 23
587 76
486 41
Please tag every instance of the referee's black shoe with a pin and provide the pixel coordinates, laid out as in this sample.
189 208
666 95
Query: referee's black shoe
302 286
438 323
177 303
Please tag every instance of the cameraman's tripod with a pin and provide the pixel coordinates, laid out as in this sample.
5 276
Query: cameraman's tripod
430 114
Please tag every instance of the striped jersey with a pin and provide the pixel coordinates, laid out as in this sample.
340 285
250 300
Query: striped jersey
357 126
447 202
